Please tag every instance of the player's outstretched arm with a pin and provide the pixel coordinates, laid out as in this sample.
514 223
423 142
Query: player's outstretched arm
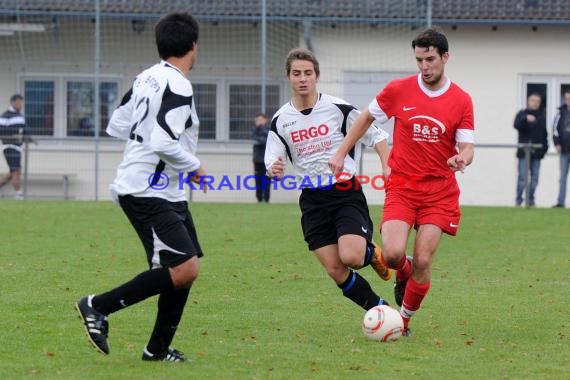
358 129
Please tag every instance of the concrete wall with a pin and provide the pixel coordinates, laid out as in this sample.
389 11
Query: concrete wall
489 181
489 64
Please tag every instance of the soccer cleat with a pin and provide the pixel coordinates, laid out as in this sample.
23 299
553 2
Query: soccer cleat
400 286
171 355
95 323
376 263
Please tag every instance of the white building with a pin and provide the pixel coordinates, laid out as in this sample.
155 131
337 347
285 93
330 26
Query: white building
500 51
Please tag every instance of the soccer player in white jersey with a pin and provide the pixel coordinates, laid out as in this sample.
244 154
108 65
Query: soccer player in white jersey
157 119
433 139
335 219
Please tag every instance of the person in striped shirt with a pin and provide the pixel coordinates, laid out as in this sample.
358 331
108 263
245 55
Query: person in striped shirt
12 124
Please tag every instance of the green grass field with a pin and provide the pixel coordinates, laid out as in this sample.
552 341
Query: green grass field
263 308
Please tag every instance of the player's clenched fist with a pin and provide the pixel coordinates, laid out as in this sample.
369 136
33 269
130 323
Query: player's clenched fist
457 163
277 169
336 163
197 178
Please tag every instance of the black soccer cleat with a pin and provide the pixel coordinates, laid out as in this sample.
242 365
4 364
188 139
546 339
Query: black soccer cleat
400 286
171 355
399 291
95 323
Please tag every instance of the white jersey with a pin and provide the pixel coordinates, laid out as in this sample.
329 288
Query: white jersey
158 120
311 137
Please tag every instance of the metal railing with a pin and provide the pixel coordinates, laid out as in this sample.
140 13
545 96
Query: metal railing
527 148
86 148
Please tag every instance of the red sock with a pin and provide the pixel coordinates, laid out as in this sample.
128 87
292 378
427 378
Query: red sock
406 321
415 294
403 269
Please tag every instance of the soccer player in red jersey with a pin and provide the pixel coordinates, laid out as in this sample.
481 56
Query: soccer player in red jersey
433 139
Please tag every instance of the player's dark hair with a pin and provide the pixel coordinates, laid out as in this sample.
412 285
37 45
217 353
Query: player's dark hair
176 34
261 114
300 54
432 37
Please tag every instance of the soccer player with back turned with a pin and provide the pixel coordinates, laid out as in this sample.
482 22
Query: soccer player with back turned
335 220
158 120
433 139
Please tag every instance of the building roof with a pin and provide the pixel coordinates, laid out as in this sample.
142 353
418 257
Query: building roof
496 11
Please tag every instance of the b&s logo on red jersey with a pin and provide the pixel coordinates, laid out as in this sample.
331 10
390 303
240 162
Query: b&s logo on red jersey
309 133
427 128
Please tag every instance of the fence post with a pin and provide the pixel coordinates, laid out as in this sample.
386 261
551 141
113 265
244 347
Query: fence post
26 156
96 93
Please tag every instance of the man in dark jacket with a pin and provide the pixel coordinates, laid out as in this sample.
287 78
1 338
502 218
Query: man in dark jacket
259 135
561 136
531 124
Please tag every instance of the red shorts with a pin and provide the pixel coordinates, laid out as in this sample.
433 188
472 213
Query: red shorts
426 201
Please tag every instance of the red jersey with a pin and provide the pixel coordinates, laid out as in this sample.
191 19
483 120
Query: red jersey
428 125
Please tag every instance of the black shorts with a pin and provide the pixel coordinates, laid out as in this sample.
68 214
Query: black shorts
329 214
13 159
165 228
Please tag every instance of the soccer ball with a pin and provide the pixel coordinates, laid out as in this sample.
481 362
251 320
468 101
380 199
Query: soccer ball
382 323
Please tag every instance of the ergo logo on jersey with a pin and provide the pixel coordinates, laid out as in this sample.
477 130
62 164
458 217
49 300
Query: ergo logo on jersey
309 133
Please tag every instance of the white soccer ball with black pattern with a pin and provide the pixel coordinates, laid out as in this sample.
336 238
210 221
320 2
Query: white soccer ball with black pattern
382 323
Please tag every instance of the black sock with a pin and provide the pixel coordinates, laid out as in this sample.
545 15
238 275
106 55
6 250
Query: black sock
357 289
170 308
146 284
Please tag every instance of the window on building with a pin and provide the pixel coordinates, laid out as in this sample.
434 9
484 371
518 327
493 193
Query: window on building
538 88
206 99
551 88
39 107
60 106
80 103
359 88
564 87
245 101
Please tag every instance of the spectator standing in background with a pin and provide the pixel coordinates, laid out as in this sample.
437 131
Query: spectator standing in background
259 135
12 124
531 125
